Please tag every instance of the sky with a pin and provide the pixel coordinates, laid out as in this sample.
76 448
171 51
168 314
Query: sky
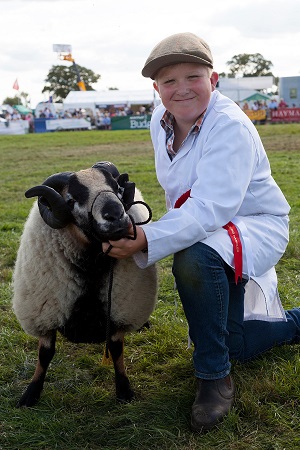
113 38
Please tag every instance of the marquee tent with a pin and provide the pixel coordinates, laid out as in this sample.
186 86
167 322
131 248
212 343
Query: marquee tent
23 109
258 96
104 99
251 83
240 89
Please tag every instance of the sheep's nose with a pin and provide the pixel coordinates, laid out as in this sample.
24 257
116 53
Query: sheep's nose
112 211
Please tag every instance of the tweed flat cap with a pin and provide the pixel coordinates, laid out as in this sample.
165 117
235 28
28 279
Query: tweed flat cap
175 49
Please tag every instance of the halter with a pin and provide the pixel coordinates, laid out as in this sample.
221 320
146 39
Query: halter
127 206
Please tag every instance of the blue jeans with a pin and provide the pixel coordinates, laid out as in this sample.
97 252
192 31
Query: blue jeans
214 308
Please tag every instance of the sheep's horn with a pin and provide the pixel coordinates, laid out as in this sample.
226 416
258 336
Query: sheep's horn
53 208
58 180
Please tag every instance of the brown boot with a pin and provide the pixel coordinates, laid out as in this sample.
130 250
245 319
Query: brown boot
213 401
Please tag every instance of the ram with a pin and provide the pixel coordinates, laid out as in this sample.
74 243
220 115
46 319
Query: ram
62 280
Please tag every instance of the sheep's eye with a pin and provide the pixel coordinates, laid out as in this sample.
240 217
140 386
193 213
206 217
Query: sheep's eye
71 202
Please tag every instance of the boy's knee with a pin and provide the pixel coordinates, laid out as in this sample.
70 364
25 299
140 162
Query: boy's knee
196 259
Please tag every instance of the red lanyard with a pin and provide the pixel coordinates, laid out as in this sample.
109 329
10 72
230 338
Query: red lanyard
234 236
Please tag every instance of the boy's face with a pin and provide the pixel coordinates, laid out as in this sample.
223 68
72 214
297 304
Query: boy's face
185 89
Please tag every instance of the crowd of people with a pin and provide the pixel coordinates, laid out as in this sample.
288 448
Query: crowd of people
103 115
271 105
101 119
263 105
13 115
48 113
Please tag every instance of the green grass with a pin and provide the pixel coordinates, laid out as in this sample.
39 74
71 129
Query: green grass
77 409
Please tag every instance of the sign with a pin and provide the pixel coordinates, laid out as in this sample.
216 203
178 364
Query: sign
67 124
44 125
131 122
14 126
286 115
62 48
260 114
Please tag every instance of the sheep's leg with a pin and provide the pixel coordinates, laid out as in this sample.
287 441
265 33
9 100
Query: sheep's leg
46 352
123 390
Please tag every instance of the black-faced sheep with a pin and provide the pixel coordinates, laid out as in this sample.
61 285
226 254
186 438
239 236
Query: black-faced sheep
62 279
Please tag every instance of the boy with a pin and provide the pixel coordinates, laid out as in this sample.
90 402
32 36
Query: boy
227 222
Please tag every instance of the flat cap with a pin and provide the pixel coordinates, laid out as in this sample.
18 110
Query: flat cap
175 49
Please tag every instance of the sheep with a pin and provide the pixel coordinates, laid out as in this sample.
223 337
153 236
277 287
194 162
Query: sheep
61 279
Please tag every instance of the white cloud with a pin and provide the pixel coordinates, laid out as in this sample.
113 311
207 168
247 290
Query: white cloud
114 38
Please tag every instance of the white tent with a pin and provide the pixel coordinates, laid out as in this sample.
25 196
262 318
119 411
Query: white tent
240 88
241 95
103 99
253 83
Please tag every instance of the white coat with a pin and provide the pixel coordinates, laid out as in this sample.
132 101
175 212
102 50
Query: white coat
228 172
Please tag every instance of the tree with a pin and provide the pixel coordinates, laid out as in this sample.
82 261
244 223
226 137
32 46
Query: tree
22 98
225 75
11 101
63 79
249 65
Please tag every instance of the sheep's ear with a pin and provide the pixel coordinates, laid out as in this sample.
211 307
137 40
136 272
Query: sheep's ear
108 166
122 179
129 188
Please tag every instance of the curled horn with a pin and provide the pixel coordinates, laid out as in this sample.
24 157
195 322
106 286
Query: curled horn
54 210
58 180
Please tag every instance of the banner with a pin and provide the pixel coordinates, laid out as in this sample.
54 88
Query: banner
43 125
286 115
260 114
131 122
67 124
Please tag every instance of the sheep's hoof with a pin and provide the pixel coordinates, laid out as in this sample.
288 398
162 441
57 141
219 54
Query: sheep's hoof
123 389
30 396
146 326
125 397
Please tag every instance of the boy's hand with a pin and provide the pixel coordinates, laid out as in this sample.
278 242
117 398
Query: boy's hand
123 248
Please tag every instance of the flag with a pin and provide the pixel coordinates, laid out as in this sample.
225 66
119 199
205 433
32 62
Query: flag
16 85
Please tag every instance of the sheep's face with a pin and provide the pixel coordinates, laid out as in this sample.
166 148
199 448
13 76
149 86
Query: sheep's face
93 196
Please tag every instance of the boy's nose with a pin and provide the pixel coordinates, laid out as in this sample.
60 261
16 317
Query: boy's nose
182 89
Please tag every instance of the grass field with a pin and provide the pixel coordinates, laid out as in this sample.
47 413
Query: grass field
77 409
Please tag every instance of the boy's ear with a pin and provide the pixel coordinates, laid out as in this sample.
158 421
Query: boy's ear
214 80
155 86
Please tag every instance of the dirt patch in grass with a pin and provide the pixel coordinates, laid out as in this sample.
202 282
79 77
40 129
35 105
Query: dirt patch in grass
281 143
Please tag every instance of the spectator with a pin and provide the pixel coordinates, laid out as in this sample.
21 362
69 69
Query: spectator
282 104
273 104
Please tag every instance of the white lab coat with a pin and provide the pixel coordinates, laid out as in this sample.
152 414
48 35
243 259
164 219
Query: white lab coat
228 172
